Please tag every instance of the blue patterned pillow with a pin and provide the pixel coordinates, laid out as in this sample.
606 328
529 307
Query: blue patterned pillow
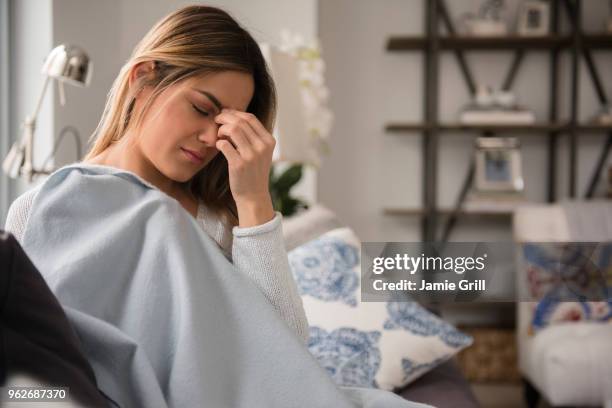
350 356
365 344
559 272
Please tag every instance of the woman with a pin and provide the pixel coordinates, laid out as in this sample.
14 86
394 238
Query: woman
163 317
191 114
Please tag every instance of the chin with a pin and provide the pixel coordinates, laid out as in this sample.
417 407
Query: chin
179 175
182 177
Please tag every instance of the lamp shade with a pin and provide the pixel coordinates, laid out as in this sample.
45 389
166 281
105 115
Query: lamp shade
68 63
293 141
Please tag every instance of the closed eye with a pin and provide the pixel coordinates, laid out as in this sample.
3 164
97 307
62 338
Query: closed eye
200 111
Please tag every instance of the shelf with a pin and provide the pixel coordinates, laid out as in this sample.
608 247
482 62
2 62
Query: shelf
405 211
512 42
534 128
598 41
573 41
458 127
406 43
494 302
414 43
594 128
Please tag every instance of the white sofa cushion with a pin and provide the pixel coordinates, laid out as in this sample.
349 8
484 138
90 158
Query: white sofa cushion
308 224
568 363
540 223
571 363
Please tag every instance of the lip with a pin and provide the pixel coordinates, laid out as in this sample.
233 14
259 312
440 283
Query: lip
193 156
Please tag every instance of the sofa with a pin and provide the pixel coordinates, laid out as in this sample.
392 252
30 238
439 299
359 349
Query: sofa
568 363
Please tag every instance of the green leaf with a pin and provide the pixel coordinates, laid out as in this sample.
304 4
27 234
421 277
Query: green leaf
290 206
272 178
289 178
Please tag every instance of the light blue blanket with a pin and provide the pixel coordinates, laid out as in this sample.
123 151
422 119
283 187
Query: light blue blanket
165 319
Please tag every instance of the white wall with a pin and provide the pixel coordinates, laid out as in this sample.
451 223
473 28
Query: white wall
31 41
92 25
369 169
259 17
5 131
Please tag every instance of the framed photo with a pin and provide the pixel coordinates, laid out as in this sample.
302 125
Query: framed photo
498 165
533 18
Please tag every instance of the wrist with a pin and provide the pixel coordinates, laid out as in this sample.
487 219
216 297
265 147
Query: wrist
255 211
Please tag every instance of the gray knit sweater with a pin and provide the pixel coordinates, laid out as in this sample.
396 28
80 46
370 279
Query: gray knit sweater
258 251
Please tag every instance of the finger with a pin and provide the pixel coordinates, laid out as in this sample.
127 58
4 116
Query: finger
236 134
228 150
257 141
251 126
254 122
228 117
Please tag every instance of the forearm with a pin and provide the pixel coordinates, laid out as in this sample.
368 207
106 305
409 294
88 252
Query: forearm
260 253
255 211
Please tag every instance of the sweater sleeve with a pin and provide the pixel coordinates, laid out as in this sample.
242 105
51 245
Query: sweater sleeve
260 253
18 213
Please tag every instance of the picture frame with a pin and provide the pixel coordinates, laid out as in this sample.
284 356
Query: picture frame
498 165
533 18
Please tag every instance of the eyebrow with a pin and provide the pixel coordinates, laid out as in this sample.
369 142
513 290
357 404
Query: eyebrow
210 96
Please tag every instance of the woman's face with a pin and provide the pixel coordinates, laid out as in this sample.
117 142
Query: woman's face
178 133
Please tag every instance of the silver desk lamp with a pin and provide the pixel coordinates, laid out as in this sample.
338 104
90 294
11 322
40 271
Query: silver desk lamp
65 63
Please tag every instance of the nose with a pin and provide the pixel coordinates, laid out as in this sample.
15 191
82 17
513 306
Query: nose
209 135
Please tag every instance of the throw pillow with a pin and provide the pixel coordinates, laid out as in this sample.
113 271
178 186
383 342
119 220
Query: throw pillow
560 272
365 344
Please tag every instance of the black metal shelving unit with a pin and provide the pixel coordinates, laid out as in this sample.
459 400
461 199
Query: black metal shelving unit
578 43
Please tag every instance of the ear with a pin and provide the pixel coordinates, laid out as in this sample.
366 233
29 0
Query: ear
140 71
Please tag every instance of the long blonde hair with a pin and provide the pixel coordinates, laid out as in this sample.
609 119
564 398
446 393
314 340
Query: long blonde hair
191 41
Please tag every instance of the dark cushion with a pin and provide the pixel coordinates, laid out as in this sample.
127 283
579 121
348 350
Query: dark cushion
442 387
36 338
